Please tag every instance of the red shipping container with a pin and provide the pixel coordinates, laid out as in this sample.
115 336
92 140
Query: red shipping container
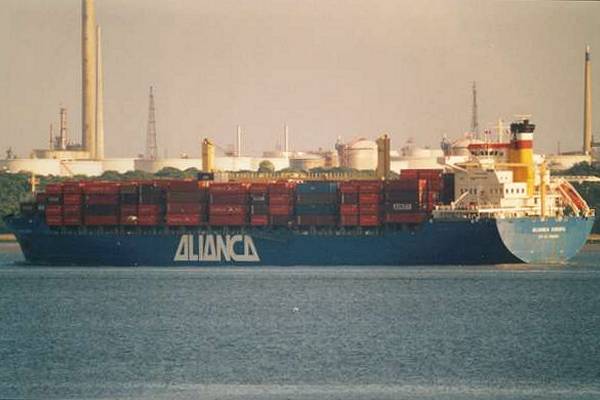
184 219
281 187
229 188
71 210
149 220
53 188
259 220
349 220
259 187
129 187
369 220
52 220
369 186
348 209
281 220
195 196
72 220
412 218
349 198
227 220
183 185
432 199
280 209
237 199
426 173
224 209
162 183
127 209
369 208
53 211
435 185
409 173
108 199
148 209
349 187
101 188
368 198
317 220
402 184
185 208
72 199
72 187
280 199
101 220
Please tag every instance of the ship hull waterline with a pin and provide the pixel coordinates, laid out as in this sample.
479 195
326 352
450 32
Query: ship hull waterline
435 242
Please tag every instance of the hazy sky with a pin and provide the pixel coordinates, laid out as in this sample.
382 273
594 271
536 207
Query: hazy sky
328 68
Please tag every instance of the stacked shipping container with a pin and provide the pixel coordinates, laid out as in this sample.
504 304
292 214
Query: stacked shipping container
369 199
150 204
72 203
228 204
101 203
317 203
259 204
281 203
129 194
186 204
407 200
349 211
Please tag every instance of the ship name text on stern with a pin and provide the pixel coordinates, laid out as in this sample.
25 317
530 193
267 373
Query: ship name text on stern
546 232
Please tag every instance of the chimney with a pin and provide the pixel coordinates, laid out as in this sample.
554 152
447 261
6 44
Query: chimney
587 105
238 147
286 138
88 69
99 97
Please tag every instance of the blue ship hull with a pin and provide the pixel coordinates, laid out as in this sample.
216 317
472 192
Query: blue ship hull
435 242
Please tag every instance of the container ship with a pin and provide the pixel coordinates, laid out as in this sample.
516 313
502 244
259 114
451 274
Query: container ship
499 207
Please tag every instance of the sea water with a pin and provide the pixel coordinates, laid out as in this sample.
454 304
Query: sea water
482 332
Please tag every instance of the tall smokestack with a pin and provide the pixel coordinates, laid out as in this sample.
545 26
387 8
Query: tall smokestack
99 97
88 70
286 142
238 147
587 105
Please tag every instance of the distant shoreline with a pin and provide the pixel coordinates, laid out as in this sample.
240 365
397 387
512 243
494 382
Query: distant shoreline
594 238
7 237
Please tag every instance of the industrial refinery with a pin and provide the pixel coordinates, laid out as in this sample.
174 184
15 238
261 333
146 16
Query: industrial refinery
70 155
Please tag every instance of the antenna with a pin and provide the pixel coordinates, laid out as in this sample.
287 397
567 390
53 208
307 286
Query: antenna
51 141
151 147
474 120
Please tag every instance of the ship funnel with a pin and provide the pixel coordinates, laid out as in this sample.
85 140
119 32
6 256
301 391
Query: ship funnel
521 153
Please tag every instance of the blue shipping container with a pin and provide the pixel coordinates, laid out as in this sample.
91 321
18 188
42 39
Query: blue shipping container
316 209
317 187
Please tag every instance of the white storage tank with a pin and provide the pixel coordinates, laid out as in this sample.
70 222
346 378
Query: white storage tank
361 154
306 161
